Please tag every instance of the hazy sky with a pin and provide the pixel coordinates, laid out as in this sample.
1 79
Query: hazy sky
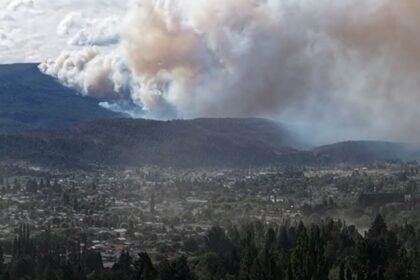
34 30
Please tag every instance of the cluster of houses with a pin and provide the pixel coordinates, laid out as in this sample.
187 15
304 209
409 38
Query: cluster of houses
161 211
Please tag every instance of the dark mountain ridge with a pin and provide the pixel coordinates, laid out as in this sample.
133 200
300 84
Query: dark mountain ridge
181 143
186 143
30 100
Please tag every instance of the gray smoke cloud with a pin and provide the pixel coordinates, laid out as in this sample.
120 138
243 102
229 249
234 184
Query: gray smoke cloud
345 69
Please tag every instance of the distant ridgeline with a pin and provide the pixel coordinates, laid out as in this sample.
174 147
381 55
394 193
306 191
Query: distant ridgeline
231 143
30 100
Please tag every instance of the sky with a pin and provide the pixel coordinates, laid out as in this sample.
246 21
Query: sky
35 30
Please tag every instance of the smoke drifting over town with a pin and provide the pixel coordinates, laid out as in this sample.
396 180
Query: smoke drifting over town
345 67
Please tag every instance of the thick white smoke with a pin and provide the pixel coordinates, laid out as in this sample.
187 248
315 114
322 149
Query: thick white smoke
339 65
91 73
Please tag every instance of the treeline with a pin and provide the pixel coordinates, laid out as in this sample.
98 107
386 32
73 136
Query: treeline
331 250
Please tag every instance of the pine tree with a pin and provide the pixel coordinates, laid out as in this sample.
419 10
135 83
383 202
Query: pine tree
144 268
124 262
378 228
270 268
290 272
49 273
182 270
299 258
166 271
6 276
270 239
67 272
342 275
349 274
1 261
283 243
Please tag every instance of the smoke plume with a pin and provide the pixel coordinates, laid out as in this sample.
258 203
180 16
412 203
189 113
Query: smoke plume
341 67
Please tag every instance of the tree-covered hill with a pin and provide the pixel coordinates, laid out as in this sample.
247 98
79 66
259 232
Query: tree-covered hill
179 143
186 143
30 99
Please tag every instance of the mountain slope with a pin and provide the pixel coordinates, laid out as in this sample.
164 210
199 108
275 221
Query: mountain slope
30 99
186 143
192 143
365 151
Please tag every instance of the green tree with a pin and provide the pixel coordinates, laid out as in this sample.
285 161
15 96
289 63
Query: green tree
378 228
1 261
181 269
144 268
49 273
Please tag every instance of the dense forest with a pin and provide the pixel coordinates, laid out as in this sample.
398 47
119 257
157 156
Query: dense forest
331 250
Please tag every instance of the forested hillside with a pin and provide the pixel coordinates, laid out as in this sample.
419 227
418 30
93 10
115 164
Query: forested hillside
192 143
30 99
